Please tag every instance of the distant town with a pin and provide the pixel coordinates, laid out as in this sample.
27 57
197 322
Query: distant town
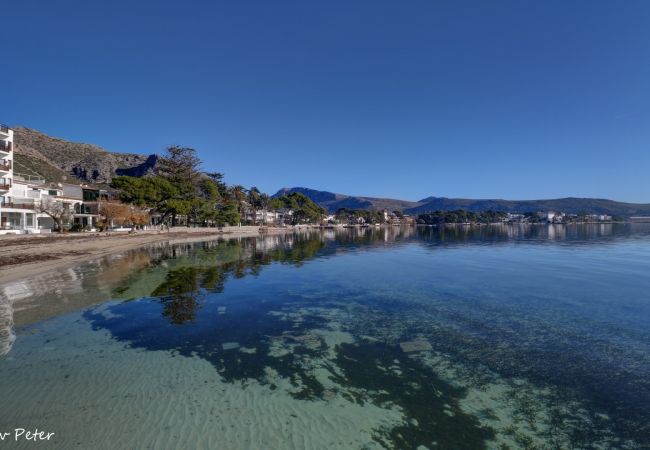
179 194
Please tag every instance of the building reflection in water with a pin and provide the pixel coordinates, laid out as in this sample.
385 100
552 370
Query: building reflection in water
7 335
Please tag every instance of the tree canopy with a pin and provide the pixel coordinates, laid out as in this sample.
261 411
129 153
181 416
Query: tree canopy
179 188
304 209
355 216
461 216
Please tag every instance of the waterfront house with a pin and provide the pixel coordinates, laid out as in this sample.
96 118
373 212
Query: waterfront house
260 216
600 217
88 204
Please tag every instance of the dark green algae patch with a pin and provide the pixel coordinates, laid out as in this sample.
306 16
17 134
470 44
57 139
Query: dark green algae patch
384 375
369 372
142 324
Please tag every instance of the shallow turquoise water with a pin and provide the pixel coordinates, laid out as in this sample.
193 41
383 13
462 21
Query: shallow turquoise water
492 337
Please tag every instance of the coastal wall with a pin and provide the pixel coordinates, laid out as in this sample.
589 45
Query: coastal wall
249 229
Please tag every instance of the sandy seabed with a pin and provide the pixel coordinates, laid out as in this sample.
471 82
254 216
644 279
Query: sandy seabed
131 398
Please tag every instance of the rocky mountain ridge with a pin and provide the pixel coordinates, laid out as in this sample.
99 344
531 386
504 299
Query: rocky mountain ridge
61 160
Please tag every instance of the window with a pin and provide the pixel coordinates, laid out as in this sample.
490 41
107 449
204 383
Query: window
90 195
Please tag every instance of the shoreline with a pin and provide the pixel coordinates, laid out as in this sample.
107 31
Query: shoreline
523 223
25 256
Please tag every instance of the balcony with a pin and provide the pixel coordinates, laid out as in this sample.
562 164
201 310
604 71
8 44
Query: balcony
5 165
6 146
89 209
17 205
4 131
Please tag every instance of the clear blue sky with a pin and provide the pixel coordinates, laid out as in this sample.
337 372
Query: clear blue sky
511 99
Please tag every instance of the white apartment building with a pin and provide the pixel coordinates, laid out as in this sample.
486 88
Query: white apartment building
269 217
6 158
20 195
17 213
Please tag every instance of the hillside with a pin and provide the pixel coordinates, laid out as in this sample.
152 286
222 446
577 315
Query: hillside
58 160
33 165
333 202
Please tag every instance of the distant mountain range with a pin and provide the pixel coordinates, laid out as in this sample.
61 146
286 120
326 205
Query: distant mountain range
332 202
60 160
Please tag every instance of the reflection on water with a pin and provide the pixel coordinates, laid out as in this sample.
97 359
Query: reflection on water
7 336
180 293
58 292
452 337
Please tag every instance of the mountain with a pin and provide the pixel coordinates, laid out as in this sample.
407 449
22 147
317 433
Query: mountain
571 205
60 160
333 202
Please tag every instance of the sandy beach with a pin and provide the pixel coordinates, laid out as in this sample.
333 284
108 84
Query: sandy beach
24 256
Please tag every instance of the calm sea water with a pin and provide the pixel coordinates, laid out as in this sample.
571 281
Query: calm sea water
400 338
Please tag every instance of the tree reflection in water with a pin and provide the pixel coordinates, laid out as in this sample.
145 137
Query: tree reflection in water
180 295
193 274
181 292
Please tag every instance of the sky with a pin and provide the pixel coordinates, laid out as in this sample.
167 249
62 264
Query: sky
403 99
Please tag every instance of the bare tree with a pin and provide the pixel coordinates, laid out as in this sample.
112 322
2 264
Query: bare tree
138 217
114 213
57 210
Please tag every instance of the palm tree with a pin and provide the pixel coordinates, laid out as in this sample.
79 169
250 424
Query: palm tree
239 194
265 202
254 201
